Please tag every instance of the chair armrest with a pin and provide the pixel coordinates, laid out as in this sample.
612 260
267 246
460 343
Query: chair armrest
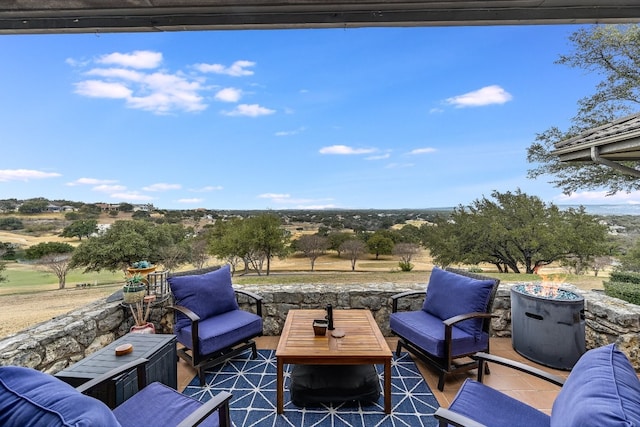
139 364
459 318
539 373
257 298
184 310
396 297
218 402
455 419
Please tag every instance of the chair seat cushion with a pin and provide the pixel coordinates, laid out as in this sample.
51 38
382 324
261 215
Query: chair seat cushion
493 408
313 385
32 398
206 294
144 407
223 331
427 332
602 390
450 294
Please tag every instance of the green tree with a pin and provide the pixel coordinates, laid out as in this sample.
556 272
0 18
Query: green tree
336 239
53 256
45 248
11 223
126 242
141 215
379 244
125 207
514 231
265 235
80 228
31 206
611 51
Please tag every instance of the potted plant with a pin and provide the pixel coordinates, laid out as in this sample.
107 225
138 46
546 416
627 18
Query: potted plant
134 289
141 267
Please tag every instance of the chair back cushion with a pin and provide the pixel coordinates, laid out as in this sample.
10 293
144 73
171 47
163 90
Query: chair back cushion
32 398
602 390
450 294
207 295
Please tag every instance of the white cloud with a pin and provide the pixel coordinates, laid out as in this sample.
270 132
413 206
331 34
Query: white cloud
380 157
207 189
274 196
290 132
426 150
102 89
345 150
249 110
594 197
486 96
117 73
229 94
161 186
190 201
141 59
131 196
25 175
237 69
91 181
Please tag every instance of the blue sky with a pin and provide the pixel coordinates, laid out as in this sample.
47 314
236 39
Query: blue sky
381 118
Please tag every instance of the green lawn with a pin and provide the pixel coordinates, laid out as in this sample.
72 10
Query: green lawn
28 280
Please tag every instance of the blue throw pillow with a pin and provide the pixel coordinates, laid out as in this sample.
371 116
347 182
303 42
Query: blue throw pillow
206 294
33 398
602 390
450 294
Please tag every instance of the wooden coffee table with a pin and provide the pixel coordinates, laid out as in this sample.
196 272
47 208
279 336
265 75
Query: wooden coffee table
362 344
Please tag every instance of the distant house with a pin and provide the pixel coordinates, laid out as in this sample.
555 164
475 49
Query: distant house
53 208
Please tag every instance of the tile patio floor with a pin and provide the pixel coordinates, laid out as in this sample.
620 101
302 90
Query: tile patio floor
535 392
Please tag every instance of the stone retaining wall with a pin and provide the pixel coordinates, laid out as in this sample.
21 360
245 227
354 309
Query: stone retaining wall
53 345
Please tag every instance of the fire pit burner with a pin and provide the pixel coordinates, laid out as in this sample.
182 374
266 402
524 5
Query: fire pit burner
547 324
545 291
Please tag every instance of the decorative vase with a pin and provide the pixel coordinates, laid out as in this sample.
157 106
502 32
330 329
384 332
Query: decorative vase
148 328
132 294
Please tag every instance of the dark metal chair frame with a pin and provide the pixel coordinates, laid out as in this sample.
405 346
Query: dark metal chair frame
201 362
219 402
450 364
447 417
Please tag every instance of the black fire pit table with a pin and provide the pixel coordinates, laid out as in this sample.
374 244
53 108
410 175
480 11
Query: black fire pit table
547 324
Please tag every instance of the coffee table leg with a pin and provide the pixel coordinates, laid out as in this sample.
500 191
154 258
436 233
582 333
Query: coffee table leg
280 386
387 386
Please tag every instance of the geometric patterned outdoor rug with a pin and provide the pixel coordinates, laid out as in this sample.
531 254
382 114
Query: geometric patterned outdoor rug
253 385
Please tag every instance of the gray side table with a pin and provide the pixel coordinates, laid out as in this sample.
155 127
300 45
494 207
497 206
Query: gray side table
159 349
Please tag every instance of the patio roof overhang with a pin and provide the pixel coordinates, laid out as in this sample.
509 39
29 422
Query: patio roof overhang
82 16
607 145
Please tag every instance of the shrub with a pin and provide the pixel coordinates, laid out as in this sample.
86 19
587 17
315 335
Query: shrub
405 266
625 277
629 292
11 223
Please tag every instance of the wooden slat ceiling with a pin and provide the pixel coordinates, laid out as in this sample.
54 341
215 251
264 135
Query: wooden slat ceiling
81 16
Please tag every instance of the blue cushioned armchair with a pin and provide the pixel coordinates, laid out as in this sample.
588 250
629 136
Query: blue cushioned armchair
602 390
209 322
454 322
32 398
